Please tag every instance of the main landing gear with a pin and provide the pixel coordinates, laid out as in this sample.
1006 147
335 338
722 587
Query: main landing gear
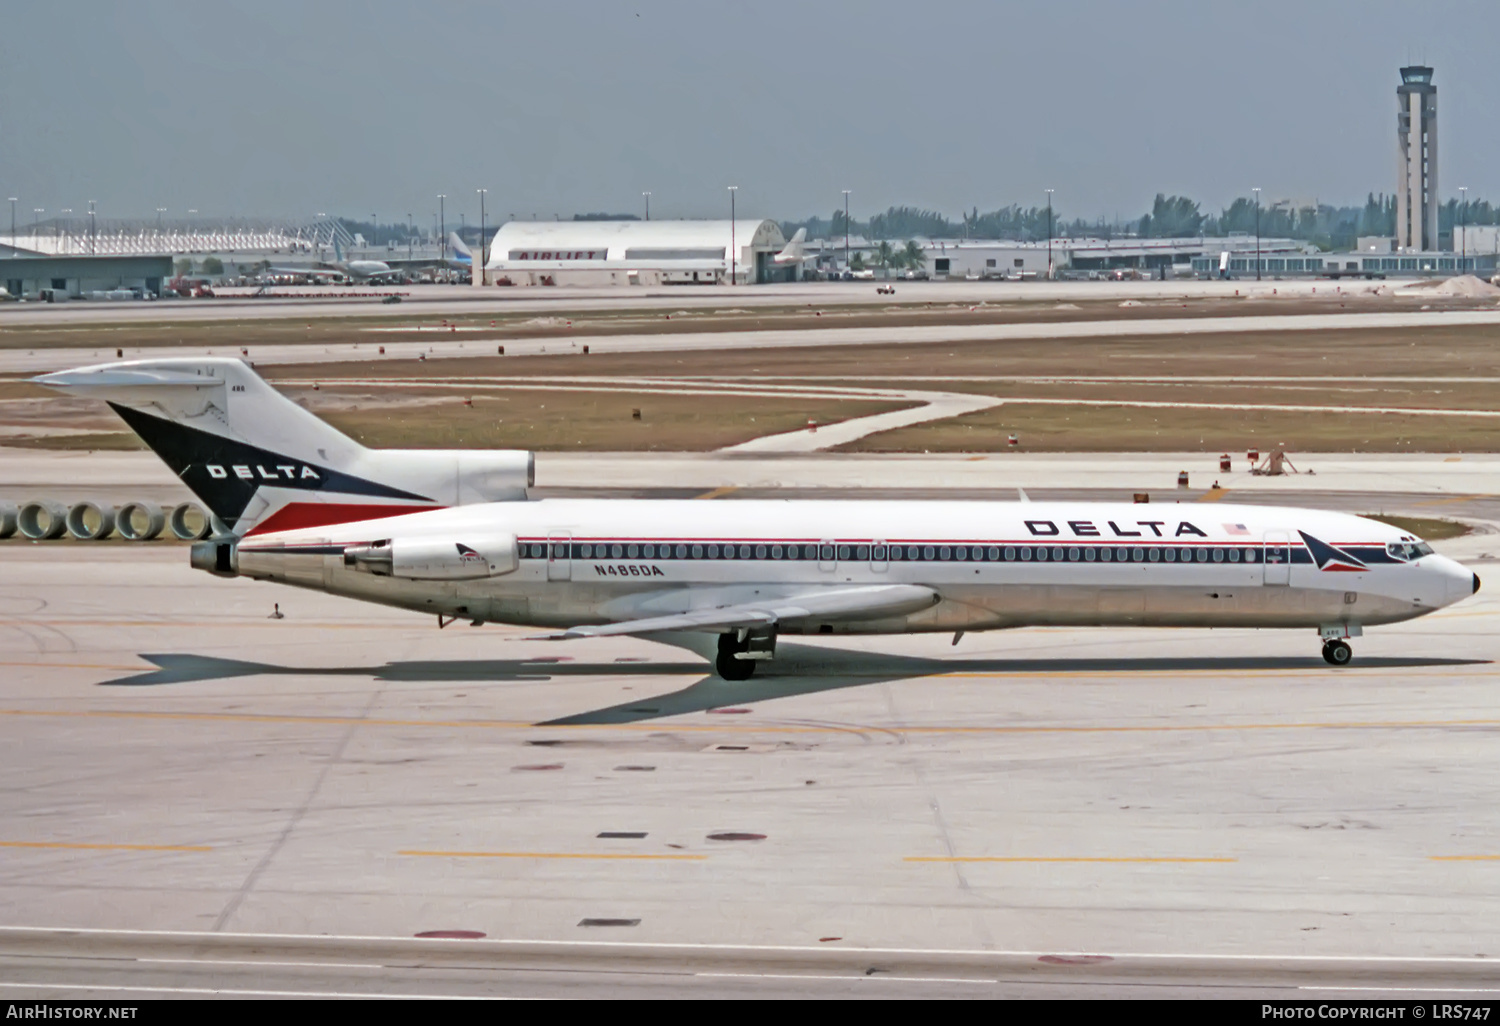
741 649
1337 652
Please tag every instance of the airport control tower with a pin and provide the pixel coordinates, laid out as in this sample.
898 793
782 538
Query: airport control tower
1416 160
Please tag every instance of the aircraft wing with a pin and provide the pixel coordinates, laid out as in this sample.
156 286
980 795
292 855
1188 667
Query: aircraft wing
854 602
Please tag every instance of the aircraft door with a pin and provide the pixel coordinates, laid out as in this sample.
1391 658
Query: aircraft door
559 556
827 556
1278 558
879 554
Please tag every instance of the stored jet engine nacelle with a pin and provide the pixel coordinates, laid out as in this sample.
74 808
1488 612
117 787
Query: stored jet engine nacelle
434 559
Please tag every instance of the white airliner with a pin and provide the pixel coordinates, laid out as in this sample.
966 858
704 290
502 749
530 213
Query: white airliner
453 534
356 270
793 252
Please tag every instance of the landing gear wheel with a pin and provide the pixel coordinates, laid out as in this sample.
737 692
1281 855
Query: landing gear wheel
1338 653
728 666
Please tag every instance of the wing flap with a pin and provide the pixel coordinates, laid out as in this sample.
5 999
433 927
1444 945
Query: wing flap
855 602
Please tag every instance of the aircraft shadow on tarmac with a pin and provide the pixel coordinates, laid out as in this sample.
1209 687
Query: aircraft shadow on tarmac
797 670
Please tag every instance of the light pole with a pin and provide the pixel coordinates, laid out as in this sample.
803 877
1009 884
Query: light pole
484 258
159 211
65 218
1463 211
36 222
1256 190
13 200
846 229
733 252
648 204
408 235
93 238
1049 234
443 221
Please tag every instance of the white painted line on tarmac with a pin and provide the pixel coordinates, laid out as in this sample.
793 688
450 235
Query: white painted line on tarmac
227 992
256 962
847 976
1411 990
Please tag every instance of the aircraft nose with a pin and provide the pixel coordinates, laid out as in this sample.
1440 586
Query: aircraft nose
1476 585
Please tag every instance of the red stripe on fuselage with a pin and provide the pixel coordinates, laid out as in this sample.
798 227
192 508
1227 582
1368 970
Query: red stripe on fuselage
297 515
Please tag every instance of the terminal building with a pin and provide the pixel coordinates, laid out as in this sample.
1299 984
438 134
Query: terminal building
637 253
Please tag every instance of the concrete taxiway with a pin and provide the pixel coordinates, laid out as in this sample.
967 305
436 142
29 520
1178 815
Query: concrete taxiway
446 300
36 361
1032 812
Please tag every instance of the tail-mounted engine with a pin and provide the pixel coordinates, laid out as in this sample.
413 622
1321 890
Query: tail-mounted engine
433 559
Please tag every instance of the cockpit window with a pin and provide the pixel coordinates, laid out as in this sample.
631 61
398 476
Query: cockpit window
1408 550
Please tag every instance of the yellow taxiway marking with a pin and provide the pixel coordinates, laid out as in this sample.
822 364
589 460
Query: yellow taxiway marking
1063 858
1213 494
105 847
718 493
1464 858
1450 500
746 728
554 855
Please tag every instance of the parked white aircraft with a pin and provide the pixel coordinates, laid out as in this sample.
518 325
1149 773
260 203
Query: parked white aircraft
356 270
793 252
451 533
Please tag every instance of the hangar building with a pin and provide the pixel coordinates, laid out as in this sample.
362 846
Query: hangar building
38 276
637 253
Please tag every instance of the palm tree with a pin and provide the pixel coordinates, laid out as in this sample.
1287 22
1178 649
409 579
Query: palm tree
913 255
885 254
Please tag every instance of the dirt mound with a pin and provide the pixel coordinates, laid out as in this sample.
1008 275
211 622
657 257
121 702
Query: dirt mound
1468 286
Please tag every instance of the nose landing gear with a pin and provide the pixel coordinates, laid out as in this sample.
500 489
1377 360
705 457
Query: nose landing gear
1337 652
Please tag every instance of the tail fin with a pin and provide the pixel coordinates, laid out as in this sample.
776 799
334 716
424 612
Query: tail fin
793 252
262 463
338 250
460 254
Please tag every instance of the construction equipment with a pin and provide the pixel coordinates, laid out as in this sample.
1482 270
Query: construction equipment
1274 465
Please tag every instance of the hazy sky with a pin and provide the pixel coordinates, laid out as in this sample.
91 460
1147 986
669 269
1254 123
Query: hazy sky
274 107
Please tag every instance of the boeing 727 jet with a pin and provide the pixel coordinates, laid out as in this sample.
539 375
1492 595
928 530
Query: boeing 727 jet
455 534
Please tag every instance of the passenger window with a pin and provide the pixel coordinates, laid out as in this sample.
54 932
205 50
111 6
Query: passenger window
776 551
649 551
944 553
862 552
843 552
697 551
1088 555
1073 554
1041 554
1025 553
1138 555
878 553
1234 555
994 553
1010 553
682 552
1218 555
1202 556
961 553
585 551
1155 554
616 551
744 552
1250 556
760 552
827 552
1105 555
928 552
